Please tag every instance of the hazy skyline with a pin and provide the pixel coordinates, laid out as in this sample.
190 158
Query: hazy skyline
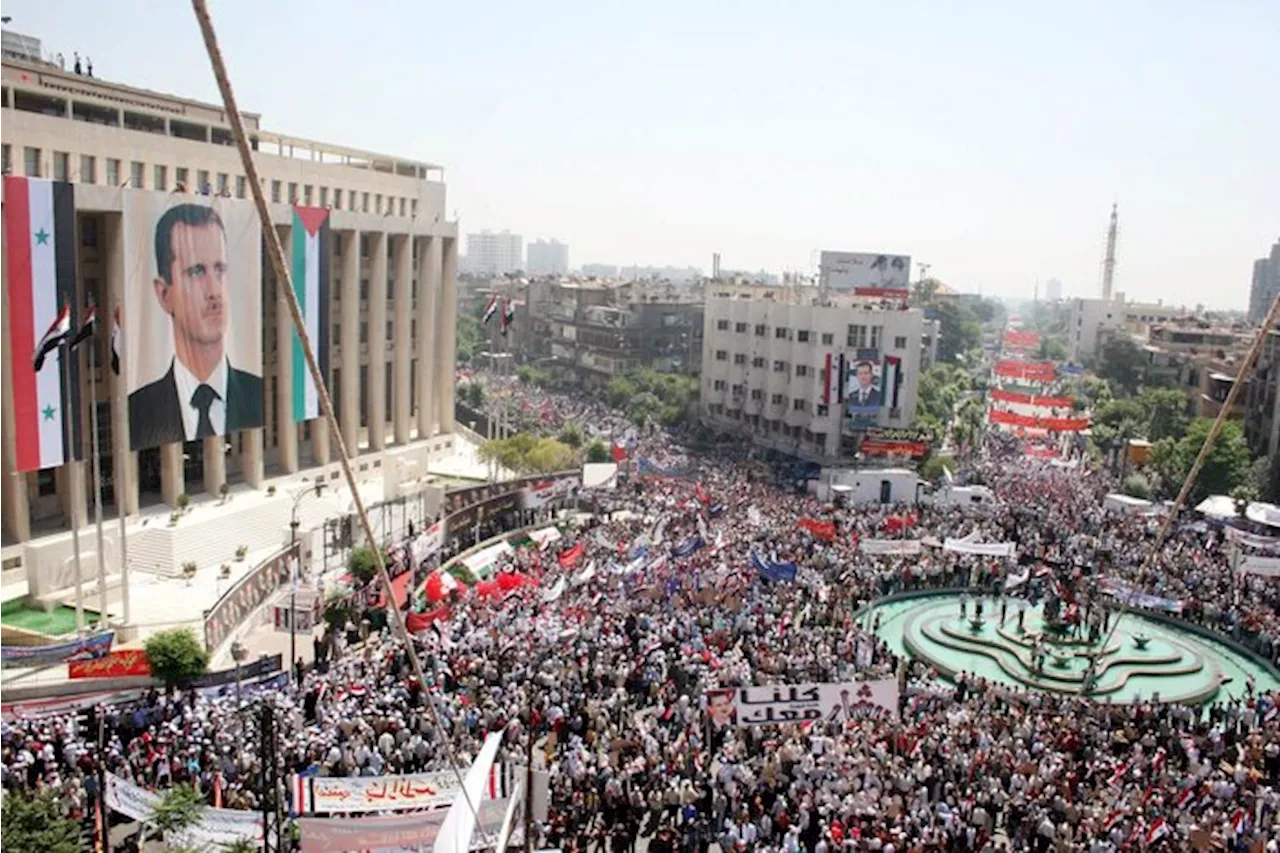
983 140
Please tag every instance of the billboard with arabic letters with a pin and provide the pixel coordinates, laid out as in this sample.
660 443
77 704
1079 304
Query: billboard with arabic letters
387 793
866 273
781 704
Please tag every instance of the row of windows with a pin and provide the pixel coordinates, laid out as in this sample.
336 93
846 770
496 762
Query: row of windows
768 425
206 183
796 404
859 336
740 360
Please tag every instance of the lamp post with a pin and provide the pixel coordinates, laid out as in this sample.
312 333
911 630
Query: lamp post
238 654
293 575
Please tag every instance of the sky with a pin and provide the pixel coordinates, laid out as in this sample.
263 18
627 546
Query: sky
987 139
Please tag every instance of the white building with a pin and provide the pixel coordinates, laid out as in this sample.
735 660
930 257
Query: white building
548 257
1092 320
494 254
765 357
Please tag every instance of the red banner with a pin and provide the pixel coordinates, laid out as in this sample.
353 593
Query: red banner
1037 451
1037 371
570 557
824 530
119 664
416 622
1053 424
889 447
1030 399
1021 340
702 494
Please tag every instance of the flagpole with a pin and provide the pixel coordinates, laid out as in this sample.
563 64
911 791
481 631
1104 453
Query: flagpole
64 355
103 618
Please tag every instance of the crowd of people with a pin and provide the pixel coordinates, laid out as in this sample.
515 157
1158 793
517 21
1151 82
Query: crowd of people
601 660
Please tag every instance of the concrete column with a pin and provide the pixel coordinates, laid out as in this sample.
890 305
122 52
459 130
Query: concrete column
124 462
320 441
286 430
252 466
376 315
14 510
172 478
349 413
446 333
428 301
401 393
215 462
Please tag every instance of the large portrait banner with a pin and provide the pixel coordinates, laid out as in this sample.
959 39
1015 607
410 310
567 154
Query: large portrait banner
192 318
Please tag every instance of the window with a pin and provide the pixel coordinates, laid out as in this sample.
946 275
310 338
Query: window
275 192
293 193
31 162
778 399
113 172
402 207
337 198
739 390
900 342
821 411
780 333
364 289
758 361
760 330
802 336
138 175
306 195
779 367
364 245
757 394
89 238
740 358
740 328
797 405
324 196
203 187
877 334
364 333
719 385
6 153
364 206
61 165
722 325
88 169
160 177
242 186
857 337
802 370
181 175
722 355
377 207
828 338
413 208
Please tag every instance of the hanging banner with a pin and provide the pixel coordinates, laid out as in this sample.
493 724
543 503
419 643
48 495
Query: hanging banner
395 832
89 648
800 703
1003 396
543 494
1133 597
125 663
215 829
1266 544
339 795
1034 371
1268 567
237 603
984 549
1014 339
999 416
427 543
890 546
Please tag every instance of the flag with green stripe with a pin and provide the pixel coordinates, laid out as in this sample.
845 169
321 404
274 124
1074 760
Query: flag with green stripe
311 285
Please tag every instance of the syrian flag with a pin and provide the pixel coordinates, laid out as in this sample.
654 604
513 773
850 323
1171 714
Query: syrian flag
1121 772
1237 822
1112 819
310 273
115 342
88 327
40 263
508 314
490 309
1158 830
1184 799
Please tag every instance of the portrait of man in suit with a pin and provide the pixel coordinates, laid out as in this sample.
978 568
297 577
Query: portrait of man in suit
202 394
863 393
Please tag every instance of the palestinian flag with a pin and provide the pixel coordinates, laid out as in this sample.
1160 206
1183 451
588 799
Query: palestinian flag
311 285
490 308
40 262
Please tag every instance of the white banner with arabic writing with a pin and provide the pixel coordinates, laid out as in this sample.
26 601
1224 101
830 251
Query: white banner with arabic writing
215 829
339 795
800 703
890 546
984 549
1268 567
427 543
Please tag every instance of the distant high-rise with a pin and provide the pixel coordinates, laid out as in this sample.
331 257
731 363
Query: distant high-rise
494 254
1266 284
548 257
600 270
1109 262
1052 290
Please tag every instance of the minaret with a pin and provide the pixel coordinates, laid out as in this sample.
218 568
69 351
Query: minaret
1109 264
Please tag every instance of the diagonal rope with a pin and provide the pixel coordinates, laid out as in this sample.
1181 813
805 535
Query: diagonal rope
1246 367
284 279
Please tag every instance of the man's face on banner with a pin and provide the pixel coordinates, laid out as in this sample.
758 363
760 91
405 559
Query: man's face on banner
864 376
195 294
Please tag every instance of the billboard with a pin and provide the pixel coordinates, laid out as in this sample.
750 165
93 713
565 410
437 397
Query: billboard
866 274
192 318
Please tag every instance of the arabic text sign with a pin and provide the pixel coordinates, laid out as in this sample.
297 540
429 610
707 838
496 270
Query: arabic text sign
88 648
417 831
122 663
1265 566
984 549
387 793
890 546
216 827
802 703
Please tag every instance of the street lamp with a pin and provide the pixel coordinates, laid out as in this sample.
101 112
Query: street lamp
238 654
293 579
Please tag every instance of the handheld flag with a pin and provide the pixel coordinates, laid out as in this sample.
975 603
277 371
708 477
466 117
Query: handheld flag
115 342
508 314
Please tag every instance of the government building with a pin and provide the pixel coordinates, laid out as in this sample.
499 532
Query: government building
390 257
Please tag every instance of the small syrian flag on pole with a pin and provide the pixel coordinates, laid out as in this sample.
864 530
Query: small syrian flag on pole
508 314
88 327
1158 830
53 338
490 309
115 342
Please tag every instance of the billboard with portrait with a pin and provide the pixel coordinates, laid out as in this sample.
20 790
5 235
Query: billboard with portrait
192 318
863 388
866 273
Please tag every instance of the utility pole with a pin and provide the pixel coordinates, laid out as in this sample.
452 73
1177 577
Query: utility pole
97 475
272 831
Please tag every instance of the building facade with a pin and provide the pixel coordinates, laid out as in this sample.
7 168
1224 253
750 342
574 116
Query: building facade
547 257
1092 320
766 353
1262 399
1266 285
393 261
494 254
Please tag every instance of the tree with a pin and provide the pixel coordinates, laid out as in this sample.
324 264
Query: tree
240 845
532 375
1227 467
1123 363
1052 349
1164 412
597 452
363 565
176 657
959 330
933 467
527 454
1096 391
923 291
571 434
1136 486
470 336
619 392
36 821
179 808
472 393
